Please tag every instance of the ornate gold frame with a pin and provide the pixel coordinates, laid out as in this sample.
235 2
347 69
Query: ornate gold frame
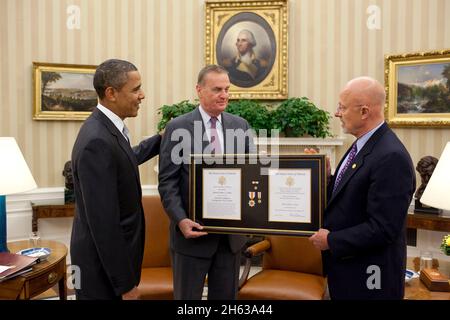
274 14
39 112
392 64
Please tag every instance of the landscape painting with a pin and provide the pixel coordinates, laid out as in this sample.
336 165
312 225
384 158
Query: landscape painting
424 88
418 89
63 92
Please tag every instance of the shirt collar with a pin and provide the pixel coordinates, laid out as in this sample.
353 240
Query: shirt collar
363 139
115 119
206 117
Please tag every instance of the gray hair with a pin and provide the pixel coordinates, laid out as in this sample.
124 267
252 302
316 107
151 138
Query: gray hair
112 73
249 35
208 69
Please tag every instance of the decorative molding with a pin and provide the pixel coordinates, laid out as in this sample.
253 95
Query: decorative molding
19 213
339 141
297 145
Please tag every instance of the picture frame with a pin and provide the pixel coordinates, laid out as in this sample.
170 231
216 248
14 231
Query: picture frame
418 89
258 64
231 195
63 91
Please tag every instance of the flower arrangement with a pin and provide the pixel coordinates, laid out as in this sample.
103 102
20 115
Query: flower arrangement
445 245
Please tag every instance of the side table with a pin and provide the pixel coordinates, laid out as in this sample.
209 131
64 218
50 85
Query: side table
428 222
416 290
43 276
51 211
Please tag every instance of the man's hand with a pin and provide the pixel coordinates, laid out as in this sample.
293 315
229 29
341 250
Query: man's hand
327 159
133 294
187 225
320 239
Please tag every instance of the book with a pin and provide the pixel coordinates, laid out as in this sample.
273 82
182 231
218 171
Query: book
12 265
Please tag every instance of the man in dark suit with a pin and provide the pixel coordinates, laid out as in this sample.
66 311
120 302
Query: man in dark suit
108 229
194 252
364 235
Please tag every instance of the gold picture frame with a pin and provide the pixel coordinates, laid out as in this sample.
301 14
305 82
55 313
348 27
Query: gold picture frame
418 89
63 91
259 68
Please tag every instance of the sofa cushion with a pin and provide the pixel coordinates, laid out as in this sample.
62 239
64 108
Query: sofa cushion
290 286
156 284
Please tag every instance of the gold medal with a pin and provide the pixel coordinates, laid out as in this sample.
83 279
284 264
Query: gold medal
251 195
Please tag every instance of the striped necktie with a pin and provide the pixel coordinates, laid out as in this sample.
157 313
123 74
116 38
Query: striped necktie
351 156
126 133
215 136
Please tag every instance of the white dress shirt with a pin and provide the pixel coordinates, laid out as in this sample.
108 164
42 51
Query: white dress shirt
207 122
115 119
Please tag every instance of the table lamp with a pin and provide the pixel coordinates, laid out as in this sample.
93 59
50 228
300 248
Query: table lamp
15 177
436 193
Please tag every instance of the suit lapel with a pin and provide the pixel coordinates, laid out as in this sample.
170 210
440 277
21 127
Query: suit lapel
226 124
122 142
358 162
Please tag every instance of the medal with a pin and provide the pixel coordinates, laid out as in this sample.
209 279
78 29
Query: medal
251 195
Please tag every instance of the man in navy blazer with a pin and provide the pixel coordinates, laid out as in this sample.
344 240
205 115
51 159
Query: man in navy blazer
363 240
108 229
194 252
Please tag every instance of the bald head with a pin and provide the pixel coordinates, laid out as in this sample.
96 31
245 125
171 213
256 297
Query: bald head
366 91
361 104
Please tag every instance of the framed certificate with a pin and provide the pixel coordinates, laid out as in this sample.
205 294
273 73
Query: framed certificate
246 194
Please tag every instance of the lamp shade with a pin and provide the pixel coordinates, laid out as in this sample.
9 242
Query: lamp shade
15 176
437 192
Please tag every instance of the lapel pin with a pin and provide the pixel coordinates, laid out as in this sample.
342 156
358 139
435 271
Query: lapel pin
354 166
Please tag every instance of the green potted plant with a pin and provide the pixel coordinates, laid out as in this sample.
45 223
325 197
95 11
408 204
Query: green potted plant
254 112
169 112
297 117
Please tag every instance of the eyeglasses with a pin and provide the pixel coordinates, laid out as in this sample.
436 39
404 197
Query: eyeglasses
341 108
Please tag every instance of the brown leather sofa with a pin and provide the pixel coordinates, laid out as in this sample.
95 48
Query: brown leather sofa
291 270
156 279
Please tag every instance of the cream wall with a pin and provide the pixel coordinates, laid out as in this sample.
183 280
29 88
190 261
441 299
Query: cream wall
329 43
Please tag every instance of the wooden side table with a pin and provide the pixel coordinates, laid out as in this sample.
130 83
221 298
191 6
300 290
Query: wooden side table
43 276
416 290
428 222
51 211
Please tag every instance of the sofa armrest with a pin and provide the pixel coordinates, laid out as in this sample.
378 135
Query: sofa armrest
252 251
257 249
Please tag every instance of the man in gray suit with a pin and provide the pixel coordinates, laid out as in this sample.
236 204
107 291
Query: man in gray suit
195 253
